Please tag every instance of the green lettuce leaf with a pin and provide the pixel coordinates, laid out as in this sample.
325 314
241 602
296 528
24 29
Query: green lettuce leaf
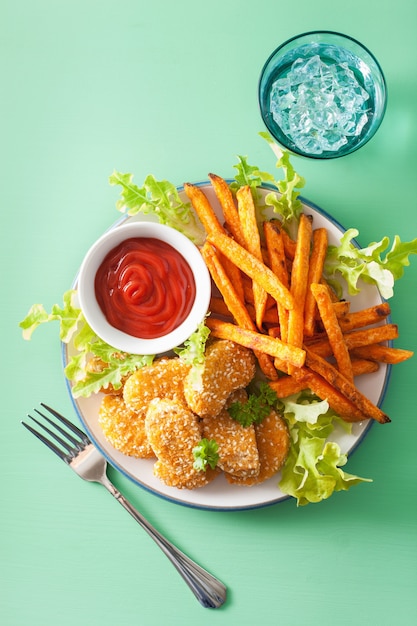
249 175
68 316
369 264
285 200
193 353
309 411
288 203
160 198
73 326
118 366
313 470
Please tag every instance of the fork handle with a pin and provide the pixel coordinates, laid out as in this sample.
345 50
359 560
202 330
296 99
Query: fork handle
209 591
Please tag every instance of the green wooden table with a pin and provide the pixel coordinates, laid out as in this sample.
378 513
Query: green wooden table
171 89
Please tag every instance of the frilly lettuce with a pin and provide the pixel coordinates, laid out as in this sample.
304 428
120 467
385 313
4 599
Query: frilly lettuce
192 353
86 343
249 175
69 316
313 469
161 198
286 202
353 263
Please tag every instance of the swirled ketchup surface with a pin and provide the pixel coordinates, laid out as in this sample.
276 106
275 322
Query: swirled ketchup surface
145 287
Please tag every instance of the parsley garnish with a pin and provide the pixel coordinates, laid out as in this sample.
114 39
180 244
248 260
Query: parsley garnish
256 408
205 453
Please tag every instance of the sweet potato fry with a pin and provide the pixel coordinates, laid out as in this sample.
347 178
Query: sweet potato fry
227 203
277 263
375 334
324 390
218 307
345 386
289 244
355 339
365 317
251 266
299 282
252 243
333 295
231 298
363 366
235 276
235 305
275 250
341 307
288 385
256 341
333 330
382 354
315 271
247 288
271 318
248 294
211 223
203 208
266 364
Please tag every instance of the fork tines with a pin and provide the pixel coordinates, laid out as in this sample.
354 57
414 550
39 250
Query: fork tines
66 451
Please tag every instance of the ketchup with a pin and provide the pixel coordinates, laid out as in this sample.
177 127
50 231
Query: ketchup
144 287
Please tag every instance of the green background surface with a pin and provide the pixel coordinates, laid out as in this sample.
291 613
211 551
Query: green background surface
171 89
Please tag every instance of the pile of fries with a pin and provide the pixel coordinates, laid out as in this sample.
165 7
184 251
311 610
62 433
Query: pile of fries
274 299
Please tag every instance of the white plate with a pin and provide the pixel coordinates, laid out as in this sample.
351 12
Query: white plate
219 495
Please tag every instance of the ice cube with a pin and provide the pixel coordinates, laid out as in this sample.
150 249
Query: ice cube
319 105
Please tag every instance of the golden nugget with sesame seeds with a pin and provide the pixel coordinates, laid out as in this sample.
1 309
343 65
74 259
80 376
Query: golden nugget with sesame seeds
124 428
227 367
163 379
273 442
237 447
173 432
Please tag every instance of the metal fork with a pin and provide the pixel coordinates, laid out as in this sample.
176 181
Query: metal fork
76 449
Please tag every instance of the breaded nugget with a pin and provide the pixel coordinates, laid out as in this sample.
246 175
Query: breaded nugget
163 379
273 443
172 478
227 367
238 451
173 432
124 428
